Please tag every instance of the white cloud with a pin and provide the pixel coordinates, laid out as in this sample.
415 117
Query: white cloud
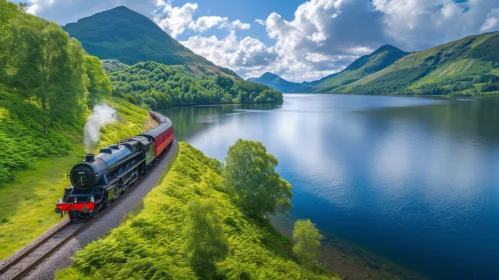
260 21
231 52
204 23
237 24
420 24
492 21
174 20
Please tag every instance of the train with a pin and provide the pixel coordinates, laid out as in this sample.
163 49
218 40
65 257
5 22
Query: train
100 179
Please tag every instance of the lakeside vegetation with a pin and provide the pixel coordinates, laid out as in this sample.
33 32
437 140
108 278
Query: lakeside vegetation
159 86
156 241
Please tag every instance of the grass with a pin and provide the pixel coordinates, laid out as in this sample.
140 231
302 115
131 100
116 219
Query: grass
28 203
149 244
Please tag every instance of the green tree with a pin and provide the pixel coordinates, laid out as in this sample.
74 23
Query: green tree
250 173
8 11
50 72
205 242
307 241
99 84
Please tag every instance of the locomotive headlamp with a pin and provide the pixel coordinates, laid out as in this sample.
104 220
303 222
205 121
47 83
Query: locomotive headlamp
75 200
59 200
92 199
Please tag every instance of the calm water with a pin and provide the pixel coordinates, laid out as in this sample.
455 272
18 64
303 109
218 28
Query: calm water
413 179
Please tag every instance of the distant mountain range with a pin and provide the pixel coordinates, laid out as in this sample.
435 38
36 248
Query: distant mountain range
362 67
465 67
130 37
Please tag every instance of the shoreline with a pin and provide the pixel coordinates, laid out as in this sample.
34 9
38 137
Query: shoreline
348 260
492 96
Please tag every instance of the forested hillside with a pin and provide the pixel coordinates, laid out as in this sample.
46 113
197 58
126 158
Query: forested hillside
113 65
160 86
192 209
466 67
48 85
130 37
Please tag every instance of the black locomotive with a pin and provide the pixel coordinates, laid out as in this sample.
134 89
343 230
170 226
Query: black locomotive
101 179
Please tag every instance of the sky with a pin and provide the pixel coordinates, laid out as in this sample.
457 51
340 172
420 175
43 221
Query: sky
298 40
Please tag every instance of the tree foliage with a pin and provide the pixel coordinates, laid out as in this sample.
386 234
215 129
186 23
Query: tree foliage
249 173
174 86
51 71
48 68
307 241
205 242
99 85
8 11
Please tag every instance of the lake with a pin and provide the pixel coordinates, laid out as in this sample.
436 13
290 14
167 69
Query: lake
414 180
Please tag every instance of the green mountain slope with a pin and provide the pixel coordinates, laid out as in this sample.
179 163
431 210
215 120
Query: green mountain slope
362 67
130 37
467 67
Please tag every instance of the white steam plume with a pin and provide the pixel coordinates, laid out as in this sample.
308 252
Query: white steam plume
100 116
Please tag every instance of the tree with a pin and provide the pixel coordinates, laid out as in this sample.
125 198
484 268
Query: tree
8 11
99 85
205 242
250 173
50 71
307 241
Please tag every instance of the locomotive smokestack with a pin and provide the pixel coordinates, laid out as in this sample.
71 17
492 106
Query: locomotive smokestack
89 158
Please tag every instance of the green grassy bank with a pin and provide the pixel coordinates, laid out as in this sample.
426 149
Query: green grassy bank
149 244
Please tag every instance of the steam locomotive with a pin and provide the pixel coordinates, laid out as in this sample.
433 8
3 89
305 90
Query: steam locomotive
101 179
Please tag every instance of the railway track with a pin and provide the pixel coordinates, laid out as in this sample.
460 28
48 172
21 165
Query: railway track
24 263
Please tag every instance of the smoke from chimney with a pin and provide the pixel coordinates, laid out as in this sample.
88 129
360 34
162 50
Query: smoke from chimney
101 115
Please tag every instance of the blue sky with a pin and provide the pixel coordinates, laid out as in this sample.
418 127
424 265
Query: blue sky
298 40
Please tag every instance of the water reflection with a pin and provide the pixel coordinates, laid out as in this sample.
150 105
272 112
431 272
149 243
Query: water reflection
413 179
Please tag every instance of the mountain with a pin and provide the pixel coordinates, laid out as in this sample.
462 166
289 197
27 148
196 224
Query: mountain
362 67
280 84
465 67
130 37
365 65
275 82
